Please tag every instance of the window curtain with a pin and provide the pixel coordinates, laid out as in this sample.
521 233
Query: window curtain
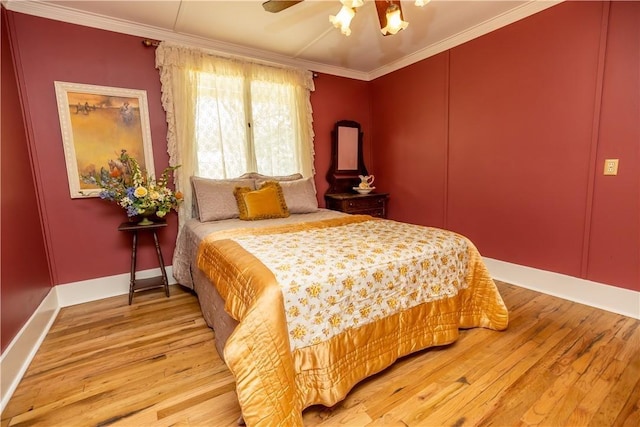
187 72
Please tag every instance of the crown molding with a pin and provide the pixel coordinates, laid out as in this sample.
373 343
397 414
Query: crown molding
506 18
72 16
65 14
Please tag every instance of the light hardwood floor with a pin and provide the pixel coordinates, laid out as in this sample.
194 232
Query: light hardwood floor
154 363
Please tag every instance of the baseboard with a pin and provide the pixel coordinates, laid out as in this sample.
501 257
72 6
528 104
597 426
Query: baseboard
18 355
16 358
598 295
103 287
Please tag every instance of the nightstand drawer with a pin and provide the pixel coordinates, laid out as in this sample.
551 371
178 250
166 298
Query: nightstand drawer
374 204
365 203
379 212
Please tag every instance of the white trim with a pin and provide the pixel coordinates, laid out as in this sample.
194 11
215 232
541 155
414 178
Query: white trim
594 294
66 14
103 287
16 358
18 355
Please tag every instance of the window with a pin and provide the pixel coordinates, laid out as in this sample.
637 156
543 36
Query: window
245 127
227 116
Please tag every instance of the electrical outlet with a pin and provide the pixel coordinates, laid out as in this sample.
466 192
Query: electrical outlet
611 166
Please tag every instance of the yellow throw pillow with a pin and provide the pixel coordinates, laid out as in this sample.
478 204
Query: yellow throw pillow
264 203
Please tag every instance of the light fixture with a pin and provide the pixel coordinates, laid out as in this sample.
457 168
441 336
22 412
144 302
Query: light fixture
343 19
394 20
389 15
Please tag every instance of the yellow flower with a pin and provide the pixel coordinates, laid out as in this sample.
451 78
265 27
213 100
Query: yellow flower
314 290
294 311
378 275
154 195
299 332
335 320
140 192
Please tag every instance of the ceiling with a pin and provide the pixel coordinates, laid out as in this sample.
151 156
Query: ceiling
301 35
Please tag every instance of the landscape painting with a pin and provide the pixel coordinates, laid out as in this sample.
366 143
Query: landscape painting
97 123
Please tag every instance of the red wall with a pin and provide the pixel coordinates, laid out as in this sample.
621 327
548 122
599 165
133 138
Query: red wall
504 138
337 98
24 273
615 222
82 234
409 143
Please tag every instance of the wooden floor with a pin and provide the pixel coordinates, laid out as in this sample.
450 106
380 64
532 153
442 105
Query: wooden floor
154 363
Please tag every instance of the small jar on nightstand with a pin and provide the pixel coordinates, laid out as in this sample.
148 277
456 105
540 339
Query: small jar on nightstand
374 204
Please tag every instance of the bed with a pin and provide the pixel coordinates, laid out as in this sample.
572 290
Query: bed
306 306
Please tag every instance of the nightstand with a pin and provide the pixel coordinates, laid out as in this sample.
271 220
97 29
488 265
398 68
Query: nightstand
152 282
374 204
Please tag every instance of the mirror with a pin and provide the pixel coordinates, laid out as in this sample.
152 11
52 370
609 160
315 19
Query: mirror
347 148
347 162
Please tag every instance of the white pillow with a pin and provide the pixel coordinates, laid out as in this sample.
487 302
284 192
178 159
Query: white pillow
214 197
299 195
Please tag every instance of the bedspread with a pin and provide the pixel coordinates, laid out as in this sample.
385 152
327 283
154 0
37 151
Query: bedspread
323 305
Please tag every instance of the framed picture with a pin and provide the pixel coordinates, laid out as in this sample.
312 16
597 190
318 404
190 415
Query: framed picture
97 123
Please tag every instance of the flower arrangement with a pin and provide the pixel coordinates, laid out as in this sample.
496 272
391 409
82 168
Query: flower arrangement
133 189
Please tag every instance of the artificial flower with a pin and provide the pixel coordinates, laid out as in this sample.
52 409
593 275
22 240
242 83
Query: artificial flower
133 189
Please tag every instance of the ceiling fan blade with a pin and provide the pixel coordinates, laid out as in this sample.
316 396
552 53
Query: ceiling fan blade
275 6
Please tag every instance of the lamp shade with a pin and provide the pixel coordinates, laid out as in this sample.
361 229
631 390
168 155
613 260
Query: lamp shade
343 19
394 20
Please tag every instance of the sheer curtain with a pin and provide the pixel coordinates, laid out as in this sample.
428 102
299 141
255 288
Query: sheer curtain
224 116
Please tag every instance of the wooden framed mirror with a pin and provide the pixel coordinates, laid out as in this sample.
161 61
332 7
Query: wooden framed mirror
347 161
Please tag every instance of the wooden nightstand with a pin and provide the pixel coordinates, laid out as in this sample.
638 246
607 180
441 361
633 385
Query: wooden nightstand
152 282
374 204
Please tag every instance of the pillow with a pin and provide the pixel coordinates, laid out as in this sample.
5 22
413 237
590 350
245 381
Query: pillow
256 175
267 202
299 195
214 199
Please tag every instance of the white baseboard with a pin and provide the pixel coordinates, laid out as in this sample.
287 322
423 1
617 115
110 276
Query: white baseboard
598 295
18 355
16 358
103 287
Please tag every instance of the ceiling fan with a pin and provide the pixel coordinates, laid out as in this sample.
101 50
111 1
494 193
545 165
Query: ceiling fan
389 13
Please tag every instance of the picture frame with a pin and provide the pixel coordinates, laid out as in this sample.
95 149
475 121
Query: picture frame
97 123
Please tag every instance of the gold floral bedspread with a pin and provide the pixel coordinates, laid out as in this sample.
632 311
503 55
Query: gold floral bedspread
323 305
